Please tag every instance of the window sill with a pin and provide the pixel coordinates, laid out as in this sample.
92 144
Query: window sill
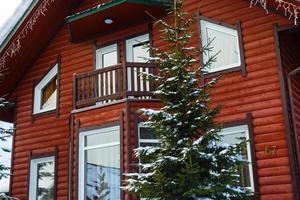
44 113
242 69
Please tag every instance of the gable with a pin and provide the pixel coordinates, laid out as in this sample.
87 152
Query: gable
30 38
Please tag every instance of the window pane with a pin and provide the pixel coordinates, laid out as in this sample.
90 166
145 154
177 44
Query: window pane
147 144
109 59
226 44
102 138
49 95
103 173
147 133
140 52
236 138
45 181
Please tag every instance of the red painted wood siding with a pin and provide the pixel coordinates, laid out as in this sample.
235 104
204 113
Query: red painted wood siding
257 93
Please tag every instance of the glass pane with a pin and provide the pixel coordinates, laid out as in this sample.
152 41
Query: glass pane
103 173
102 138
49 95
147 144
227 45
109 59
147 133
45 182
236 138
140 52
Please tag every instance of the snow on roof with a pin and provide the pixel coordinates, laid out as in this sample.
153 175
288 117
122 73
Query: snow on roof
9 27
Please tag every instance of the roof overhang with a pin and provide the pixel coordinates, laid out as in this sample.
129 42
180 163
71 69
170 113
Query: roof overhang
287 8
29 37
122 13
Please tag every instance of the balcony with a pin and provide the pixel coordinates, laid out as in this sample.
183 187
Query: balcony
113 83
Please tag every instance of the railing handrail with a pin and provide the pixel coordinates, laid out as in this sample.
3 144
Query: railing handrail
111 83
142 65
99 71
117 66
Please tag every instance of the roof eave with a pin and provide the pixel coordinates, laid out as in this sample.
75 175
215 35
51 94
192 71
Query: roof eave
17 25
111 4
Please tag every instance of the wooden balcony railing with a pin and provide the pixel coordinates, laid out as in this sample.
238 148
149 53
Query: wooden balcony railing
113 83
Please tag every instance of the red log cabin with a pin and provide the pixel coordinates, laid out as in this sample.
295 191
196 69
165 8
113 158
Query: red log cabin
71 70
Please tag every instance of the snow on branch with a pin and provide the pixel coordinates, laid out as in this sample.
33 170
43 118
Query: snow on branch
290 10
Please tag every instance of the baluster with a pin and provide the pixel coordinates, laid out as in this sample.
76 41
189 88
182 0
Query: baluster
145 82
95 86
101 85
106 84
112 82
138 78
132 80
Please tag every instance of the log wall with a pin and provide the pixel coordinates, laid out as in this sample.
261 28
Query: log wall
258 93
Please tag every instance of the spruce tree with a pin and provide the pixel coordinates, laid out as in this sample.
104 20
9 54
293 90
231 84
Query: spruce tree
4 135
190 163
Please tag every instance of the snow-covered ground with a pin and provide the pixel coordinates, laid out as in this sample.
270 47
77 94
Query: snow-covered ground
5 157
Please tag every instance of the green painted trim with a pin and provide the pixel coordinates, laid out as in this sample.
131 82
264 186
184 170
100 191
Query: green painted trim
113 3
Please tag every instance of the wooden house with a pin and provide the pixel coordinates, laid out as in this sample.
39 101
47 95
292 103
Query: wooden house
71 70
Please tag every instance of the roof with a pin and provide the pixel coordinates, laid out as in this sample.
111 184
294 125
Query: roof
43 18
107 5
11 25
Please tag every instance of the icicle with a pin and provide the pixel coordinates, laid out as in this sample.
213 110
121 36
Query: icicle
263 4
290 10
16 44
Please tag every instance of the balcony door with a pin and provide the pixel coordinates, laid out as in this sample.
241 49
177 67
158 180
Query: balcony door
137 53
107 57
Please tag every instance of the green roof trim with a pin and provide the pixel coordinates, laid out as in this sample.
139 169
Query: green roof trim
113 3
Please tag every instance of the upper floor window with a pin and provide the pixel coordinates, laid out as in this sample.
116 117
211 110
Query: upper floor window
107 56
45 92
232 136
136 49
224 42
42 178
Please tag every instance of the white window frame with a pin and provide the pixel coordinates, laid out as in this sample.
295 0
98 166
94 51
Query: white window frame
129 58
102 51
244 129
82 149
204 24
134 41
34 174
38 91
99 65
154 141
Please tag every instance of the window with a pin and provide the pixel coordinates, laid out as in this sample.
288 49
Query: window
225 40
136 50
99 164
42 178
232 136
45 92
107 56
147 137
